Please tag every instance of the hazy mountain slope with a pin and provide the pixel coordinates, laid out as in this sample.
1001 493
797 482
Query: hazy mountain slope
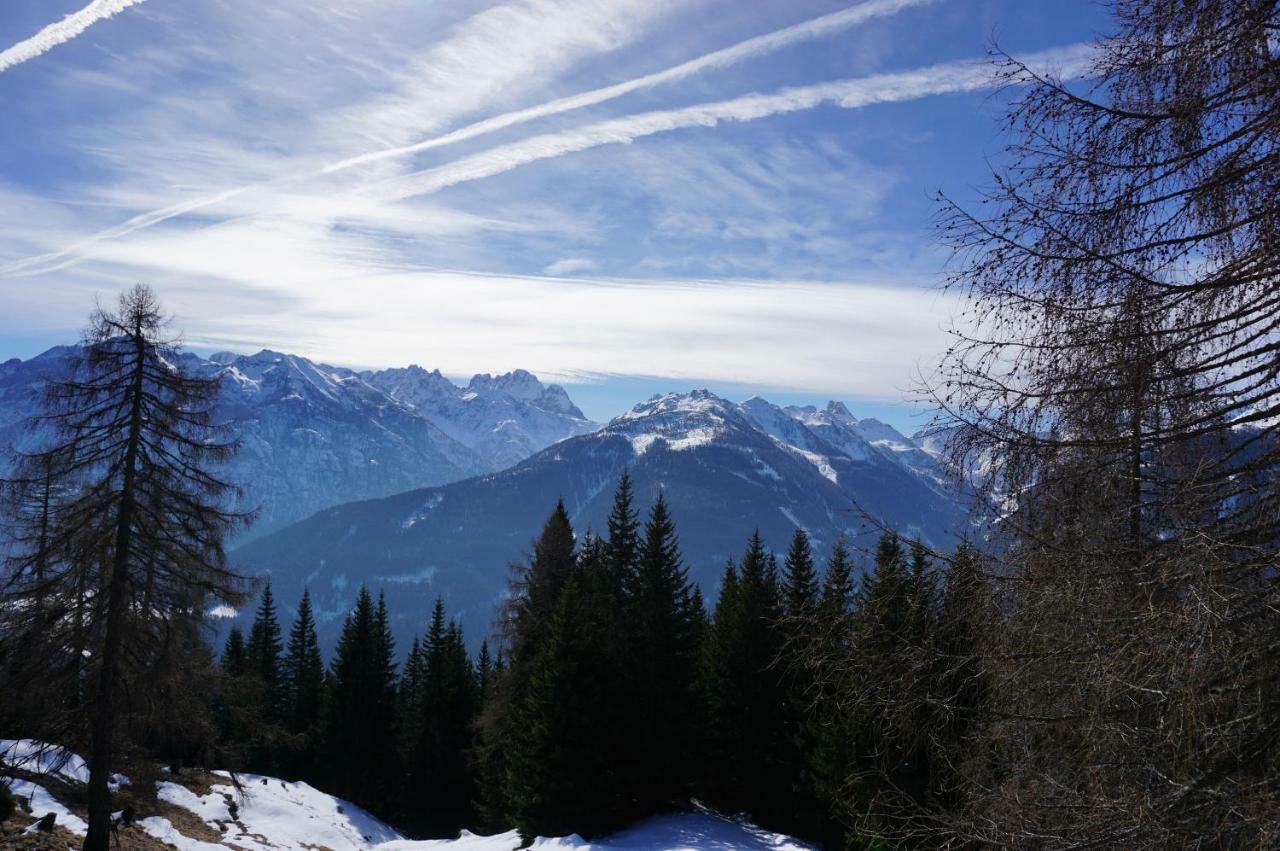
722 473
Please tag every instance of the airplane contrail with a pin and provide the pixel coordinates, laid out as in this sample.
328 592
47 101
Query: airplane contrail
64 30
749 49
1072 61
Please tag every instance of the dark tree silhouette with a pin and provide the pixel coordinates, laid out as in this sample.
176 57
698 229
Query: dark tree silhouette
121 539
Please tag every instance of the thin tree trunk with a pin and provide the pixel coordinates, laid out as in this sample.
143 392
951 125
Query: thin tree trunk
98 837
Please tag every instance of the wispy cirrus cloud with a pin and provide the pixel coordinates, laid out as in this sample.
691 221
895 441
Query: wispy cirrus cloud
277 173
469 56
62 31
500 52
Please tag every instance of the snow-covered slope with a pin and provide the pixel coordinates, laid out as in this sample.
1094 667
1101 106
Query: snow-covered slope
314 435
726 470
257 813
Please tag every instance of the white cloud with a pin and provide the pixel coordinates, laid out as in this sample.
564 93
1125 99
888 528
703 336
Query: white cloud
569 266
853 338
62 31
465 70
500 53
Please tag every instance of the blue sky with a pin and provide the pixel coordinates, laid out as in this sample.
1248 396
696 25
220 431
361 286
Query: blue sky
626 196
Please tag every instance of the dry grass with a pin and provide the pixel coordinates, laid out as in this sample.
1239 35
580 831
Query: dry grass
140 795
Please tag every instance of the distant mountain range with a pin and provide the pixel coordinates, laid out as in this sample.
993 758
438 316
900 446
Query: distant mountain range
726 469
407 482
315 435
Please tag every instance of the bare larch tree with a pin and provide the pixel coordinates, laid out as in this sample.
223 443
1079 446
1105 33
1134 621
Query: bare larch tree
1117 380
115 528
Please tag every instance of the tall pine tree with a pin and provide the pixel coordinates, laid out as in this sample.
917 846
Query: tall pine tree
662 660
442 705
748 767
624 534
800 581
262 656
303 672
561 778
360 734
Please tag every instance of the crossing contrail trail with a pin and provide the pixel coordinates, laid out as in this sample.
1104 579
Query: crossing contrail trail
750 49
742 51
855 93
64 30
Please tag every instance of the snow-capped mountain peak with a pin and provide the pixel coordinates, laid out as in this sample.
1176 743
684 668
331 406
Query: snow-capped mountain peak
518 384
314 435
504 418
677 420
839 412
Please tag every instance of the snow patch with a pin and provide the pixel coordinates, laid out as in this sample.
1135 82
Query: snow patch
819 461
37 757
274 814
691 439
42 803
420 577
786 512
161 828
432 502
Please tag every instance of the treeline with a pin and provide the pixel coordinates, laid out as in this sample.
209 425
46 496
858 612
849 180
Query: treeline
615 694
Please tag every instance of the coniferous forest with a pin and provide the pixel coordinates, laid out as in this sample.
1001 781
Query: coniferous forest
613 693
1093 662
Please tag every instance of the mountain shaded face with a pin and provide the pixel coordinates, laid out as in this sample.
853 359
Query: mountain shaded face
725 470
313 435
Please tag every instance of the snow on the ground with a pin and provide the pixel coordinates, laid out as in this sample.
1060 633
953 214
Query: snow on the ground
275 814
466 841
40 758
161 828
42 803
696 831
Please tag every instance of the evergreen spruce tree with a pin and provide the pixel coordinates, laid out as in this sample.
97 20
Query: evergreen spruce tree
889 687
885 597
360 733
624 534
440 698
233 661
485 673
800 582
302 692
662 653
236 707
538 585
799 626
749 767
923 591
303 670
409 723
832 751
837 587
536 590
560 776
262 656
